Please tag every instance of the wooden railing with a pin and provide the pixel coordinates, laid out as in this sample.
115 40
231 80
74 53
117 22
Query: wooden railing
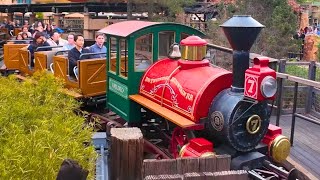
310 86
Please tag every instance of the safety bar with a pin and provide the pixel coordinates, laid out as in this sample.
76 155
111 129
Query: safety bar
23 40
46 47
63 51
89 54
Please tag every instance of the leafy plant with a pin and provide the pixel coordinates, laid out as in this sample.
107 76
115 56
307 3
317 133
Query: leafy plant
38 129
301 71
39 15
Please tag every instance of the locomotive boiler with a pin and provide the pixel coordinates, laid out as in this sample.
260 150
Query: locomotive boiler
226 109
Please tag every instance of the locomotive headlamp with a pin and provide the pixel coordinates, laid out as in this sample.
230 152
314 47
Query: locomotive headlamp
260 80
268 87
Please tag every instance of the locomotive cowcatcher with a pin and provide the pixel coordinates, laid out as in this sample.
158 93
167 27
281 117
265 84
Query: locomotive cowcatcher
203 109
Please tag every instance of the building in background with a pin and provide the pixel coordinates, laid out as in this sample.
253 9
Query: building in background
23 1
7 2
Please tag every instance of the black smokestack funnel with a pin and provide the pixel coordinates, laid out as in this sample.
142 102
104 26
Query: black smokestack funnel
241 32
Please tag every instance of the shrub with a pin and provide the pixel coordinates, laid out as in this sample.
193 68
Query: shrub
301 71
38 129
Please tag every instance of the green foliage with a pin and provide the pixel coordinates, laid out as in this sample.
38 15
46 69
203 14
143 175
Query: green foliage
175 6
283 19
301 71
38 129
282 26
39 15
280 21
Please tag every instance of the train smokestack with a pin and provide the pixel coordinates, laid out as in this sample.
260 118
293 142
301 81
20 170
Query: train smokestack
241 32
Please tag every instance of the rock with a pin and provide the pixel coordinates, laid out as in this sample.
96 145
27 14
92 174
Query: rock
310 52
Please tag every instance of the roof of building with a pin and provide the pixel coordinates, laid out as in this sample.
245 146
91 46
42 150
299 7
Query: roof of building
74 15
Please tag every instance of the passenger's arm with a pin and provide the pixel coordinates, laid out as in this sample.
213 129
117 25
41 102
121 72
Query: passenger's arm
30 48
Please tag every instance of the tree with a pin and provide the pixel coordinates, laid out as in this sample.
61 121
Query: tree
171 8
280 25
280 28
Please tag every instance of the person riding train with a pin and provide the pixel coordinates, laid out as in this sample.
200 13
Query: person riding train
98 47
70 44
75 53
38 41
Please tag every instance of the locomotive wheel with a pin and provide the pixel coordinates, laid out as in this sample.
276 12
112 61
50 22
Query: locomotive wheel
180 137
248 126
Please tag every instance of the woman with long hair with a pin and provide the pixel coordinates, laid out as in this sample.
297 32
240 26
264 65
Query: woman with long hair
38 41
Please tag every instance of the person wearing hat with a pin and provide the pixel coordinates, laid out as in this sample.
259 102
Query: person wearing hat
56 40
38 41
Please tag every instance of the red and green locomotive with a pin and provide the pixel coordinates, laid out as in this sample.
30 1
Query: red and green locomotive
203 109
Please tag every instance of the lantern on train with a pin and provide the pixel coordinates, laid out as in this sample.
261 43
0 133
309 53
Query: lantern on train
193 48
260 80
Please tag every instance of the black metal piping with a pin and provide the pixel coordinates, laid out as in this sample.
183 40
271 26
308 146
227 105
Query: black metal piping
241 32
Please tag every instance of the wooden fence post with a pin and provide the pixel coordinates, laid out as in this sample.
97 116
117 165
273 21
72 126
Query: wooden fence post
126 152
223 162
157 167
311 76
282 69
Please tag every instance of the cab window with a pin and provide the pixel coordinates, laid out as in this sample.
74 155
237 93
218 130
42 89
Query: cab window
184 35
143 52
123 70
113 57
166 39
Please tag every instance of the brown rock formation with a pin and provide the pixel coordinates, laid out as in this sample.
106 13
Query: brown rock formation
310 52
304 20
295 6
